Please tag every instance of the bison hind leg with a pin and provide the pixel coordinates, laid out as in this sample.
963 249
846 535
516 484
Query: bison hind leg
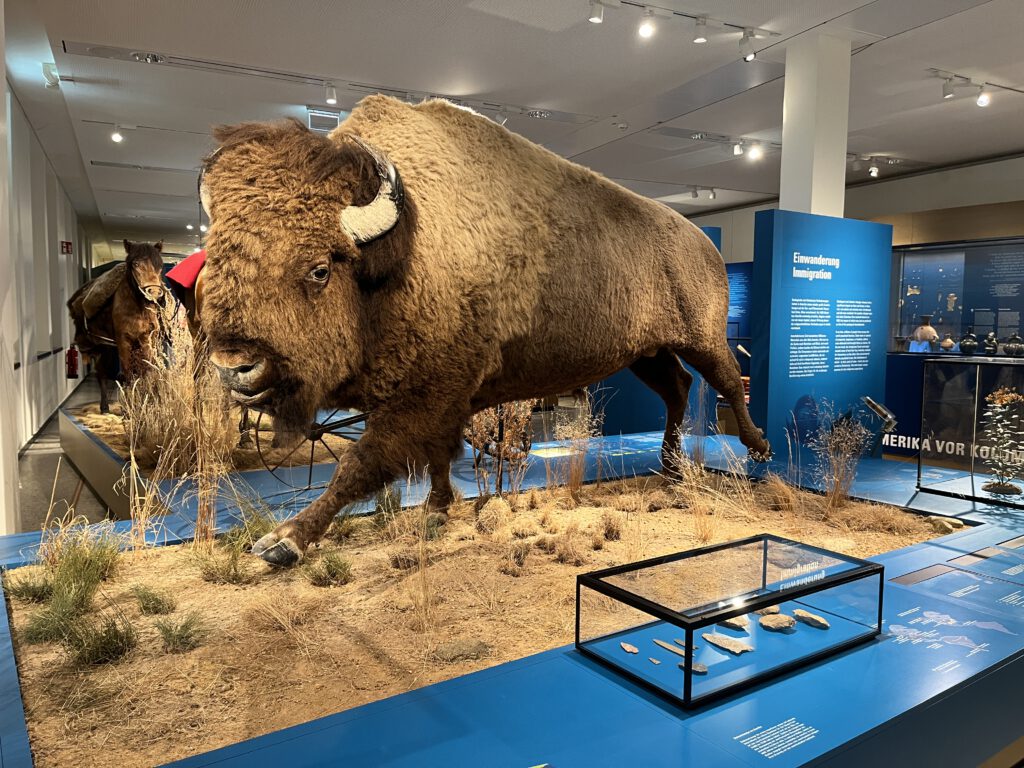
720 368
667 377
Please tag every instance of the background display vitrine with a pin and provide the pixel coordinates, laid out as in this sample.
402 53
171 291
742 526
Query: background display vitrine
651 621
956 445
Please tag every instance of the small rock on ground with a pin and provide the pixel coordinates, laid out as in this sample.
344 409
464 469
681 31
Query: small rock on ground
462 648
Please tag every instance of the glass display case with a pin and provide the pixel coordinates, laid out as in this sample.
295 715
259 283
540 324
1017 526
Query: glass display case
972 429
698 625
945 294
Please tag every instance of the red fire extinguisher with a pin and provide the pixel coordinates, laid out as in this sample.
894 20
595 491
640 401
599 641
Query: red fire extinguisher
71 362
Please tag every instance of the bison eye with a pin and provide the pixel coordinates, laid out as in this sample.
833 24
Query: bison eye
320 274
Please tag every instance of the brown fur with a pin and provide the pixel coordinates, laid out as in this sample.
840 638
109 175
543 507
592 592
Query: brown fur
126 321
512 274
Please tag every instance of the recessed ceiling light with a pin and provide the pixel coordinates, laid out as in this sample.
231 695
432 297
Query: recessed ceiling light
647 28
700 30
755 152
202 227
330 94
873 171
984 98
117 137
596 12
189 227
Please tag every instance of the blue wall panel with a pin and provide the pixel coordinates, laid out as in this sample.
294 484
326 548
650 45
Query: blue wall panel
819 317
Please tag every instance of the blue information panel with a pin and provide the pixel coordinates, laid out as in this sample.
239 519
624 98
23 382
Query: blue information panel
819 318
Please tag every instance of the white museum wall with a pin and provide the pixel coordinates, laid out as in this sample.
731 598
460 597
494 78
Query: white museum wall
36 280
999 181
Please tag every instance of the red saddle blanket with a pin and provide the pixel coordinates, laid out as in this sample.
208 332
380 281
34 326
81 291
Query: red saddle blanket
185 272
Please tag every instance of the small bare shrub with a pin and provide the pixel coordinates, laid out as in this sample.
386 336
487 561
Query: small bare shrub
152 602
838 443
577 428
501 439
597 539
181 635
329 570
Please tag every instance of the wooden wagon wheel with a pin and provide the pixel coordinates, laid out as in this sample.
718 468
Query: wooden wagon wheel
285 470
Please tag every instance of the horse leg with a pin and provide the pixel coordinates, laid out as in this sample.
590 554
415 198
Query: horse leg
101 379
664 374
244 438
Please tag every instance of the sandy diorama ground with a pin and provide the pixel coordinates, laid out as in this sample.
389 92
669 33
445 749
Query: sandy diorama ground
109 428
496 584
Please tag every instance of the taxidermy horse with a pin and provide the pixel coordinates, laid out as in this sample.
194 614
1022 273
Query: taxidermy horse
423 263
185 280
116 315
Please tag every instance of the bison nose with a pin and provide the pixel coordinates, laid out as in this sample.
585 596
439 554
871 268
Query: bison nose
237 371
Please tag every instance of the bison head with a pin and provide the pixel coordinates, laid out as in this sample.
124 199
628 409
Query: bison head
292 253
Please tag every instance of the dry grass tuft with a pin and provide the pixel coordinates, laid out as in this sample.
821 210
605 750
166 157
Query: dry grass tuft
225 566
571 546
109 639
533 500
597 539
331 569
778 495
279 614
342 528
577 428
704 524
30 585
523 528
611 525
546 544
516 555
184 634
153 602
495 514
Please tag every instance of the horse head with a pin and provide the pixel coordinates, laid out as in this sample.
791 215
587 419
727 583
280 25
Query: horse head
145 269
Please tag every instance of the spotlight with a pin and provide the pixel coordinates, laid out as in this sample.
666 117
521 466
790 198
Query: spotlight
747 46
712 194
647 27
694 193
755 152
947 88
596 12
117 137
857 164
202 227
189 227
873 171
983 97
700 30
737 148
330 95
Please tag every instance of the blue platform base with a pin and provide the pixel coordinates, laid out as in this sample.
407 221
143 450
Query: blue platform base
952 651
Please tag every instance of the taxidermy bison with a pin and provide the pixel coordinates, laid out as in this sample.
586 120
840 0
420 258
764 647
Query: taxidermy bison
423 263
116 315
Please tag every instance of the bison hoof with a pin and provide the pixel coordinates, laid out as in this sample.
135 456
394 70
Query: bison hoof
278 552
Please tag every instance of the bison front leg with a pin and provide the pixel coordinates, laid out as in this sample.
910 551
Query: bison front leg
384 452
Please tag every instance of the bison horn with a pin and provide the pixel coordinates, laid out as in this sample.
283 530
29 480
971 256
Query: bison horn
366 223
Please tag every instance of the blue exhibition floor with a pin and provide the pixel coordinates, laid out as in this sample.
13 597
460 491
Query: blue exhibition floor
940 686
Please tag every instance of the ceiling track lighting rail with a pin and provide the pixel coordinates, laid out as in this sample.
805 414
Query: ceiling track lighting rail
754 149
982 91
703 22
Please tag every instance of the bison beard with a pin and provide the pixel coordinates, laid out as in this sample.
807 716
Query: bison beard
509 274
